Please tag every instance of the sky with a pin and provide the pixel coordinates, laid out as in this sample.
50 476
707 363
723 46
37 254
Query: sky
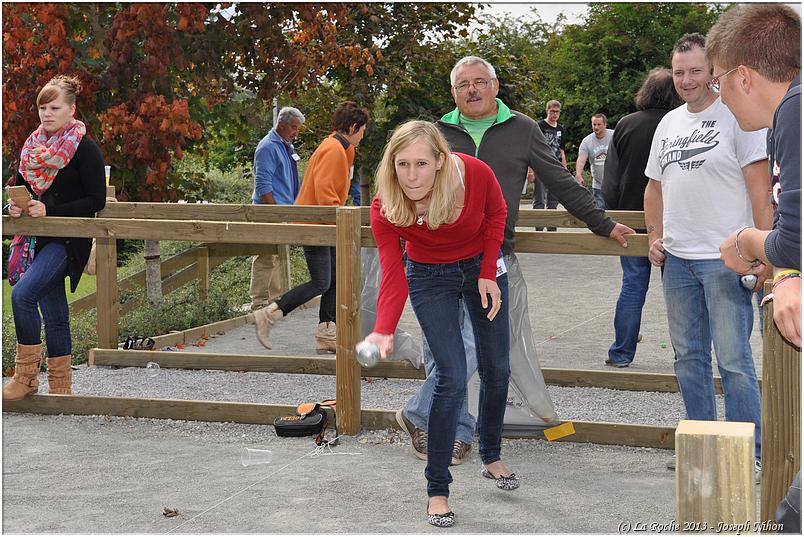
547 11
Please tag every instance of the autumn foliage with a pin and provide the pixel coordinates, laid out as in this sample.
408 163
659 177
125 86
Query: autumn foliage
153 73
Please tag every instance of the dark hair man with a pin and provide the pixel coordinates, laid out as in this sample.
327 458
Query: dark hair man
708 177
624 189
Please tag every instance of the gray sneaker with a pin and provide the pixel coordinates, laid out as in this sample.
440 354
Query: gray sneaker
459 452
671 464
418 437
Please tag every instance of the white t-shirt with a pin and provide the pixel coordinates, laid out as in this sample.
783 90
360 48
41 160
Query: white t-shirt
596 150
699 157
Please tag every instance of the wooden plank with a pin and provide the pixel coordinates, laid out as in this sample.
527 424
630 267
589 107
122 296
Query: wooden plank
715 475
781 415
616 380
108 317
221 212
372 418
193 334
305 365
347 377
203 273
176 409
178 230
556 218
543 242
168 266
310 365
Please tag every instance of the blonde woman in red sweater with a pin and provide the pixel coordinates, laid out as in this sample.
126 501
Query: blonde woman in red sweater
326 182
450 210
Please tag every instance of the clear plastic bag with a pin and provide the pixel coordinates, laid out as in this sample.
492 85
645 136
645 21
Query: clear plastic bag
529 408
406 347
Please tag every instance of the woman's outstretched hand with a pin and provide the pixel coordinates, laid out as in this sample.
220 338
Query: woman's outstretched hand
385 342
489 287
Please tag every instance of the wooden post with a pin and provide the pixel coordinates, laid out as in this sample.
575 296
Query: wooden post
153 272
202 269
107 306
284 265
781 415
715 489
347 369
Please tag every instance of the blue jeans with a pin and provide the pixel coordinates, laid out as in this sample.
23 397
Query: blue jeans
435 294
706 304
628 315
600 201
321 264
417 409
41 288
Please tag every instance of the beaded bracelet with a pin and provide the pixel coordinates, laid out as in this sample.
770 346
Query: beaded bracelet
755 262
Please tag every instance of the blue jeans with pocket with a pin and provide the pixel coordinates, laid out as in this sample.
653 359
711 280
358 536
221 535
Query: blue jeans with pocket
436 291
417 409
628 313
41 288
706 305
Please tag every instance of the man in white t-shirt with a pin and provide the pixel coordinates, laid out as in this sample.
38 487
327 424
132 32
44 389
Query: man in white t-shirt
708 177
594 148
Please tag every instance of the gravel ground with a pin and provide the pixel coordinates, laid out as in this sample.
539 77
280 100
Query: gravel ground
584 404
115 475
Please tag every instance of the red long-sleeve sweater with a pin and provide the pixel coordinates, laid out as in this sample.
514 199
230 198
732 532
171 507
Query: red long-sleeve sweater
478 229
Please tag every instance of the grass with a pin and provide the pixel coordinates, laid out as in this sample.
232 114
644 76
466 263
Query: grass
85 287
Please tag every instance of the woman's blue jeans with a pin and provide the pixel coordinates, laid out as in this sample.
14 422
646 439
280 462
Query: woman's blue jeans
41 288
706 305
435 294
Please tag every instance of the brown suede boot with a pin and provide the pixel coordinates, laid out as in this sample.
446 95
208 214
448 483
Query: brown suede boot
60 375
26 373
325 340
264 320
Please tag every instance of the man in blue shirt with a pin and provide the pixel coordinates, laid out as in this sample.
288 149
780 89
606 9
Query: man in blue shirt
276 181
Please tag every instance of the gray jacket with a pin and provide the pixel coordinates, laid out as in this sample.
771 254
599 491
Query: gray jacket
509 146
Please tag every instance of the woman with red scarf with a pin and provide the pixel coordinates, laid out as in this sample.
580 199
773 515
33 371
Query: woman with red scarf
63 170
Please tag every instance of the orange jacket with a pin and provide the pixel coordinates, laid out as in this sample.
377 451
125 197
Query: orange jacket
326 179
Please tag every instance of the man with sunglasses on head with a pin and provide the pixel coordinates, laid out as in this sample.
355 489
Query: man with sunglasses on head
707 178
510 142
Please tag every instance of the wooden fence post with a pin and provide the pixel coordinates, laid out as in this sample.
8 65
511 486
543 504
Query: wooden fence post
715 489
202 269
781 415
106 305
347 370
284 266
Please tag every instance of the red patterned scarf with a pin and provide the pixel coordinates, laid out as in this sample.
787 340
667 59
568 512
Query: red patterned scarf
43 155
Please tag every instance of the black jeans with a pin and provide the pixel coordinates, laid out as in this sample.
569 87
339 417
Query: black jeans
321 264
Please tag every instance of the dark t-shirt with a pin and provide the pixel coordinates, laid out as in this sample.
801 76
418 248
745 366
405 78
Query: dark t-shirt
554 136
